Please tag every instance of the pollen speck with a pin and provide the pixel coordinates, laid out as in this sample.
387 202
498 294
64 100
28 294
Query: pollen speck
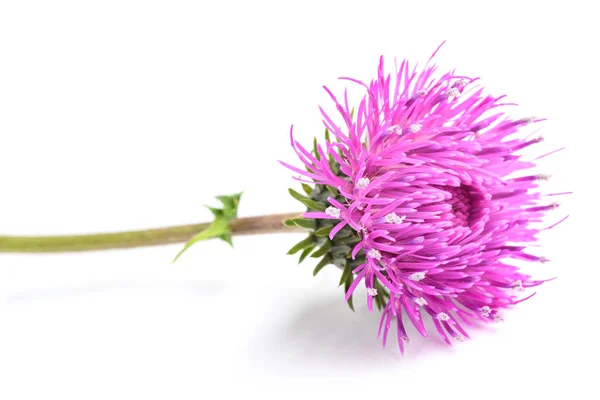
393 218
363 183
333 212
443 316
421 301
414 128
374 253
417 276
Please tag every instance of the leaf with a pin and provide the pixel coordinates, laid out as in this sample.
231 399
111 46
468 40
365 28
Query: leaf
302 223
324 261
324 231
218 228
227 238
217 212
339 262
347 284
322 250
346 234
311 204
305 253
307 189
333 190
333 164
347 272
315 150
349 240
341 250
327 137
230 204
301 245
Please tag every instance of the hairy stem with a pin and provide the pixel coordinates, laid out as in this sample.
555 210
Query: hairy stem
141 238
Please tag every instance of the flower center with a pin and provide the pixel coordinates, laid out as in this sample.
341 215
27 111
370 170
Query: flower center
464 202
461 203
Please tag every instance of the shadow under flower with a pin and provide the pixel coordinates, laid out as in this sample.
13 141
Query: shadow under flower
324 331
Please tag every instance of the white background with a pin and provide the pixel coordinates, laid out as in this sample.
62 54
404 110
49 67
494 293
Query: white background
122 115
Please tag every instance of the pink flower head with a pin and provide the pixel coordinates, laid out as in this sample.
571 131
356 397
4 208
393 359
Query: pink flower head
430 194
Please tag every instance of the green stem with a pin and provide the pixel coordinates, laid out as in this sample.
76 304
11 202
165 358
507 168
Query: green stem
140 238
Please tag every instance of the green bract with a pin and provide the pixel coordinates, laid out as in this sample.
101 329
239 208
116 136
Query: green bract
220 227
317 244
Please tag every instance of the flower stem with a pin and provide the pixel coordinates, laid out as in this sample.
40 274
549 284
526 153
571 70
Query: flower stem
142 238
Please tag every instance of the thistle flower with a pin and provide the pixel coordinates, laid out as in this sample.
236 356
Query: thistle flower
423 197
